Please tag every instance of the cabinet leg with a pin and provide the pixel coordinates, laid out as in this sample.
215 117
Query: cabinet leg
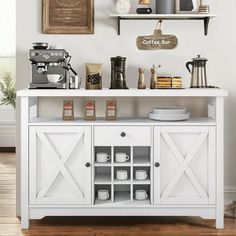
220 222
24 222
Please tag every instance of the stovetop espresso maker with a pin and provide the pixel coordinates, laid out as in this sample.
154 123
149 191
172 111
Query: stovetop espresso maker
199 74
118 76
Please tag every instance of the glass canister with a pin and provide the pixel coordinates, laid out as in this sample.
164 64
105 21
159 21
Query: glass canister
165 6
123 6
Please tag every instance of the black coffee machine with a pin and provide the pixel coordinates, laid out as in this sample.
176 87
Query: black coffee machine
118 77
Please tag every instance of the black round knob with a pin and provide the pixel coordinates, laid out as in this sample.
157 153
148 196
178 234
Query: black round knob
123 134
157 164
87 164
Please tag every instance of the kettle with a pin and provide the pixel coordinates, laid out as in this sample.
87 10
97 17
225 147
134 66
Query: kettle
199 75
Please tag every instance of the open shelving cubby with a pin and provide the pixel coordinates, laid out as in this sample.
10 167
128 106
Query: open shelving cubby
122 192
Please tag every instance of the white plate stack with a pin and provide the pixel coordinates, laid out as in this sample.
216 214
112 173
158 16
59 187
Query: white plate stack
169 114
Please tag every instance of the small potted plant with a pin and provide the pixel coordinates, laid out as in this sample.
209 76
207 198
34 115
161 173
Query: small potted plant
8 90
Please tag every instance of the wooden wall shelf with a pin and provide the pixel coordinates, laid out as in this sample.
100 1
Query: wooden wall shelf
205 17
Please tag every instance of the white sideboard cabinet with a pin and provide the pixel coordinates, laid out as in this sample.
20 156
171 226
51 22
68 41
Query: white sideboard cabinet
60 175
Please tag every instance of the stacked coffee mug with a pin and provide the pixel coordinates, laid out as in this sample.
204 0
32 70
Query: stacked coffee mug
141 195
122 175
103 194
141 175
103 157
121 157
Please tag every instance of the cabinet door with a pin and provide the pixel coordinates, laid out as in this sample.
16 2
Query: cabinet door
57 164
184 171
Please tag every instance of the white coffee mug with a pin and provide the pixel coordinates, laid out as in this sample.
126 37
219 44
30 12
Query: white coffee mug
121 157
141 174
103 194
103 157
122 174
55 78
141 194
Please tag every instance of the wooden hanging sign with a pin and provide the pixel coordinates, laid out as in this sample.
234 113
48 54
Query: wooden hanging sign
156 41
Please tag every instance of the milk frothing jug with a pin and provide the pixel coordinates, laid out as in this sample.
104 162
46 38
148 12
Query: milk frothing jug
199 75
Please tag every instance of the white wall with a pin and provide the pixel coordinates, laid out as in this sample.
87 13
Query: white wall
219 47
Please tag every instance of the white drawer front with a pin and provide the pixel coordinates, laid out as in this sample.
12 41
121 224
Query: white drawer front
122 135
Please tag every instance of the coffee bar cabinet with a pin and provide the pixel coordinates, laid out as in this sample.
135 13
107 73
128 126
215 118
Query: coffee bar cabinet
183 162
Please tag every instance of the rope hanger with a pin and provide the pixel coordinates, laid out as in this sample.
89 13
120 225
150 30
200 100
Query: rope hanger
159 24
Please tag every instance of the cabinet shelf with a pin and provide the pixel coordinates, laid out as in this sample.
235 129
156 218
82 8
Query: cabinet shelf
122 182
195 121
102 202
102 164
132 92
204 17
142 182
122 164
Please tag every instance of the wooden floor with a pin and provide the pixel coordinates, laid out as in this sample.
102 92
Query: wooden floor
95 226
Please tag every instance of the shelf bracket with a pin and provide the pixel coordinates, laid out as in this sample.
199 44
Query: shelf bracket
118 27
206 24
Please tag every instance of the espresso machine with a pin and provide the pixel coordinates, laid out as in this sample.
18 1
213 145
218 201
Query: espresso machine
49 67
118 76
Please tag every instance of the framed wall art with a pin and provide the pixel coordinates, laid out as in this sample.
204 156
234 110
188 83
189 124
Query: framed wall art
68 16
187 6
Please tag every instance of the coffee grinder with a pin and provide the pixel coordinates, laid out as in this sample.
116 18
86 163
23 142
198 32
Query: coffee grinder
118 76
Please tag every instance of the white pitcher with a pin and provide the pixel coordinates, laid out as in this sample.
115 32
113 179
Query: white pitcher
123 6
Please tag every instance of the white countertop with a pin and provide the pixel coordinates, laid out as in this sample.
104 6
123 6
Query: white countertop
133 92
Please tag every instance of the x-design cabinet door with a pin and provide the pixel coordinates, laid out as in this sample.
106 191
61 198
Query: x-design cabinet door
58 173
185 165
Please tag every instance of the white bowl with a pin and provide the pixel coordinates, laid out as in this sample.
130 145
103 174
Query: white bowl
55 78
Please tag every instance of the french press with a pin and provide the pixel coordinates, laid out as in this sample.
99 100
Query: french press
199 75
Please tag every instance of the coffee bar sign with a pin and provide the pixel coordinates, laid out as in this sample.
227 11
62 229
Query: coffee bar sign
156 41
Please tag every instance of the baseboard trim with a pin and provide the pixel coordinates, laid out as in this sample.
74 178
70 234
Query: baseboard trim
230 193
8 149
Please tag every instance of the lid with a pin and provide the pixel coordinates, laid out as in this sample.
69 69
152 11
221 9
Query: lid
118 58
199 58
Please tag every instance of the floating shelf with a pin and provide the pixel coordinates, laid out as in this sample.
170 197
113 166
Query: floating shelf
205 17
